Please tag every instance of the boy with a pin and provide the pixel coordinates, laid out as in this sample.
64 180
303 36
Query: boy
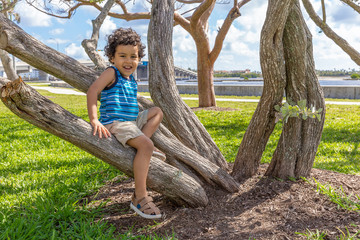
119 112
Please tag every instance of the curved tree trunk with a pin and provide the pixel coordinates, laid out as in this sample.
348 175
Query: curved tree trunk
179 117
295 153
293 67
272 64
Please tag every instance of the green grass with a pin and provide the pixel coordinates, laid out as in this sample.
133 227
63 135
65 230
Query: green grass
42 177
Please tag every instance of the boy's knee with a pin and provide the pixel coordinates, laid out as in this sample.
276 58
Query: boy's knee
147 144
159 112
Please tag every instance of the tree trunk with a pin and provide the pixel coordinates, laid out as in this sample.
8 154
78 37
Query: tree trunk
295 153
205 80
179 117
272 63
28 104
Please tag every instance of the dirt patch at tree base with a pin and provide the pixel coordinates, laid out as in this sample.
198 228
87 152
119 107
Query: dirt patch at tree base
263 208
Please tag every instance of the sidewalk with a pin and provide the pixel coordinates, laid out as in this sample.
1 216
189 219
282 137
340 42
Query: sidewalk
73 92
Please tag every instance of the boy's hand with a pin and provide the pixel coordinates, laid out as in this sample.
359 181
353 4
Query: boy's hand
98 127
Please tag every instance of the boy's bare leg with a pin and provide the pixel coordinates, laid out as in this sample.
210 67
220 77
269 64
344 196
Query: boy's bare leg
155 116
145 148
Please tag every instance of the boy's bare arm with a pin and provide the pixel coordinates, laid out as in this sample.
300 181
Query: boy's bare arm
93 92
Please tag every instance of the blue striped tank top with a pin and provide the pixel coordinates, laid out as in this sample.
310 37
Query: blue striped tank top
119 101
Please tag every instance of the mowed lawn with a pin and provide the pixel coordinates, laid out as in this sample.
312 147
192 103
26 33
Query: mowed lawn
43 178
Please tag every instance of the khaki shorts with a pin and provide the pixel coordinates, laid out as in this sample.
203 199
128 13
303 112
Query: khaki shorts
124 131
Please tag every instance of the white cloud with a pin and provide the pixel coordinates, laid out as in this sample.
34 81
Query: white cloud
107 27
75 51
327 54
182 41
31 17
57 41
56 31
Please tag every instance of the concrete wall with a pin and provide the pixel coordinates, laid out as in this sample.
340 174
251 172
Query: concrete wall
344 92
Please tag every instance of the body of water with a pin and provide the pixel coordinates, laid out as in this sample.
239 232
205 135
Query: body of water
236 82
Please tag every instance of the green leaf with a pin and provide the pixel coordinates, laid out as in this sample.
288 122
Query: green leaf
302 104
277 108
318 116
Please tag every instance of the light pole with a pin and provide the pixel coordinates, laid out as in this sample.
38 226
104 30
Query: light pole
57 43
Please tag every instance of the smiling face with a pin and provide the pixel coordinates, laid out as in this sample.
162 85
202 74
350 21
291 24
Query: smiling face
126 59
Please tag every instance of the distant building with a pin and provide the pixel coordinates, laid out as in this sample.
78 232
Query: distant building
30 73
232 71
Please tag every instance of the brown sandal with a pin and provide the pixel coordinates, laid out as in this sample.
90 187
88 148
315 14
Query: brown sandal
145 207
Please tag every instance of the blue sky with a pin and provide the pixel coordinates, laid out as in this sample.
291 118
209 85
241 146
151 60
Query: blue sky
241 46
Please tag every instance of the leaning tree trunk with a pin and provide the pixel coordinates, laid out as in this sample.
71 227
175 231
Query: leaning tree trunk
179 118
28 104
295 153
272 63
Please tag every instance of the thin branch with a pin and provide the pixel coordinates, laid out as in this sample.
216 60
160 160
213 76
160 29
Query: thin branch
70 11
193 9
10 7
323 10
90 45
352 4
342 43
122 5
233 14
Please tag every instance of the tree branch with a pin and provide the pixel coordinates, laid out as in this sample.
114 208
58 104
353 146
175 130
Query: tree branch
182 21
323 10
90 45
70 11
233 14
7 64
352 4
204 6
190 1
342 43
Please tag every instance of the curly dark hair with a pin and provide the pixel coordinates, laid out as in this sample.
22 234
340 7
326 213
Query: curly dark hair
123 36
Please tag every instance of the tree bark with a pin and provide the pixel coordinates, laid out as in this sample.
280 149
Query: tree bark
25 47
205 73
272 63
352 4
28 104
90 45
342 43
179 117
7 64
295 153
